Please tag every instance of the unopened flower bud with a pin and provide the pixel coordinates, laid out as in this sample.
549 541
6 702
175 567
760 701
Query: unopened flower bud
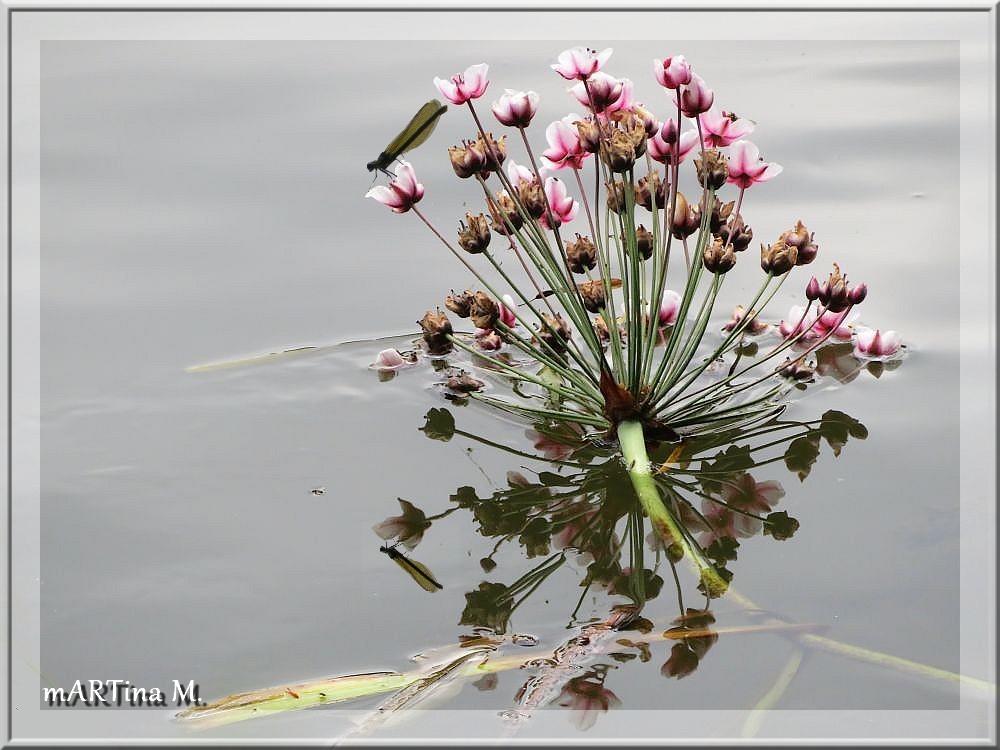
592 293
554 333
532 197
669 132
717 258
812 289
712 168
590 135
504 216
475 237
616 196
467 160
807 253
777 259
645 194
460 304
737 234
618 152
686 219
436 328
484 311
644 242
859 293
582 255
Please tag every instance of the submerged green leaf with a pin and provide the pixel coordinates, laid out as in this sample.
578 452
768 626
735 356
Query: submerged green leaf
802 454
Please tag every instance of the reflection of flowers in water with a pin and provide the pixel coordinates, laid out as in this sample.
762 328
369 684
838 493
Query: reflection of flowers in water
588 698
550 447
408 528
745 494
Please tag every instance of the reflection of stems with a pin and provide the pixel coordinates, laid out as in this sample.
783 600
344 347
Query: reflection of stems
772 696
443 514
330 690
632 441
523 454
858 653
533 579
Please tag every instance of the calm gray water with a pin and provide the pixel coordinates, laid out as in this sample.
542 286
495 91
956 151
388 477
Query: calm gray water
203 201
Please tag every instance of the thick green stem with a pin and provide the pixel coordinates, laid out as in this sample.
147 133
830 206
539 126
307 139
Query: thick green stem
632 440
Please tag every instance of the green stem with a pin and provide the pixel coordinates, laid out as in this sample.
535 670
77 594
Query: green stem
632 440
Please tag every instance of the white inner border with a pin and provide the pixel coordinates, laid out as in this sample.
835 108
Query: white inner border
975 721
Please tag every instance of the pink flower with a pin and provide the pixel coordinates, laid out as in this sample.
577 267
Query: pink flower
588 698
663 152
564 144
564 208
516 108
403 192
626 101
746 167
672 72
722 128
465 86
670 308
873 344
518 173
695 97
600 93
391 359
816 325
580 63
507 311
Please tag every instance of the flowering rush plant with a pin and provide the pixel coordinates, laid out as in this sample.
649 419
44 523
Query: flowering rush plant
596 224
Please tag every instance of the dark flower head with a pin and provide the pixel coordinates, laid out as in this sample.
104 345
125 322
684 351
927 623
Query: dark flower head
475 237
437 329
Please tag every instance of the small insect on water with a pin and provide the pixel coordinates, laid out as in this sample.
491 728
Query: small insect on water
318 490
416 132
417 571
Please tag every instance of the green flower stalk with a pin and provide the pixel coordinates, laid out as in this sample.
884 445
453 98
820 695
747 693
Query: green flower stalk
598 331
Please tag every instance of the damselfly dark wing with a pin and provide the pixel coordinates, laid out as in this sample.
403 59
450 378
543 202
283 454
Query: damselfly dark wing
416 132
417 571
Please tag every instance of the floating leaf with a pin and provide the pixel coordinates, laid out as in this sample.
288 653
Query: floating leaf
439 425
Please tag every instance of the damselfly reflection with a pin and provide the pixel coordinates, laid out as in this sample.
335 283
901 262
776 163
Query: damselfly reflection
416 132
417 571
